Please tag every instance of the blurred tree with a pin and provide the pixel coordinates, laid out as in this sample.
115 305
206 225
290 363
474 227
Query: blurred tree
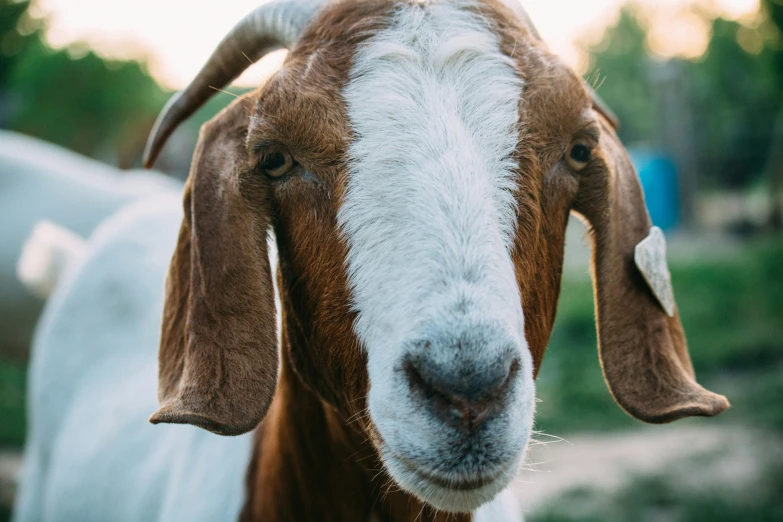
736 92
12 41
652 98
12 46
774 10
97 107
72 96
774 169
733 91
619 71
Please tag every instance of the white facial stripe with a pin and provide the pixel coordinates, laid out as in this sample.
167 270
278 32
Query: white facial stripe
429 209
429 217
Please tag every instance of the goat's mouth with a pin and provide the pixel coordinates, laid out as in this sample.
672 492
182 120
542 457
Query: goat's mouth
455 491
455 482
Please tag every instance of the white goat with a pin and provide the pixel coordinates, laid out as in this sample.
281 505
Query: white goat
93 379
40 181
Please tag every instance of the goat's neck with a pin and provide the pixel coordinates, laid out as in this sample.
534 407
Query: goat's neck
310 464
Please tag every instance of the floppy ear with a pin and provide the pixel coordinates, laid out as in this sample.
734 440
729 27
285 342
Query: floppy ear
643 351
218 351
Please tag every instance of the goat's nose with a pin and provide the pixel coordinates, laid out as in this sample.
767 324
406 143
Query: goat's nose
462 398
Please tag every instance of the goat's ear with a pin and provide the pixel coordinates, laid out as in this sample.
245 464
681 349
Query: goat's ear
643 351
602 108
218 352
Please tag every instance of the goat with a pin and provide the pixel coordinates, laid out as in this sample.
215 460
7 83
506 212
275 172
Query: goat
417 162
40 181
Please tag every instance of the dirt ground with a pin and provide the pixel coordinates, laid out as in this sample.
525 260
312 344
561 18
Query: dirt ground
695 455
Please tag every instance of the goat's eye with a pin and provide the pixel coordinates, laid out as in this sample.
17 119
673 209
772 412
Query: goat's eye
277 164
579 154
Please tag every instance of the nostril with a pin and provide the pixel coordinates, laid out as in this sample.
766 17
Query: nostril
464 404
425 387
512 369
454 409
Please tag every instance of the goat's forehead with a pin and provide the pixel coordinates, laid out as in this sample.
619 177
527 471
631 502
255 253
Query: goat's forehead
310 87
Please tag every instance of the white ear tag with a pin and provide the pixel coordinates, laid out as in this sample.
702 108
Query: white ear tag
650 258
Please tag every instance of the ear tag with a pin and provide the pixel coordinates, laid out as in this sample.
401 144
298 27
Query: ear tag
650 258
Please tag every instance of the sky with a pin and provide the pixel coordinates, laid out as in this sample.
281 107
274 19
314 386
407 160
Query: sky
177 36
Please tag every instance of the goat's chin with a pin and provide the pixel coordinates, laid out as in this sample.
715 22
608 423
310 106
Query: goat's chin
460 497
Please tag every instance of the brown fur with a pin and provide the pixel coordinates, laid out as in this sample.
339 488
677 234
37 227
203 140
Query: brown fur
218 353
643 351
316 453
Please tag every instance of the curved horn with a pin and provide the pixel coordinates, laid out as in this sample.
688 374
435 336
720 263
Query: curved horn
269 27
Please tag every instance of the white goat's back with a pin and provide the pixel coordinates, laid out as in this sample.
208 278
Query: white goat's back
91 454
47 255
41 181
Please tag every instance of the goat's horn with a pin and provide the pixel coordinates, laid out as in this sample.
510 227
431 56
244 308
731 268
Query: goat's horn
271 26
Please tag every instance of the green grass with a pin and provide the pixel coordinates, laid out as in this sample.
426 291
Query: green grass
757 398
732 311
13 379
657 498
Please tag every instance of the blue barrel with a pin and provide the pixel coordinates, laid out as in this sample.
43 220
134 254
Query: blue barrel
658 175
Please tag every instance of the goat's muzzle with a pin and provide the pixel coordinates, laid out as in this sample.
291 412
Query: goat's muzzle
462 397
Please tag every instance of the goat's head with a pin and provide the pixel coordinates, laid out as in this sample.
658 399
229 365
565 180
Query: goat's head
418 162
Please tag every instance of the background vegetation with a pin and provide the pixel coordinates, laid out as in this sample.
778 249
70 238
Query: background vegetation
734 91
731 305
44 92
732 311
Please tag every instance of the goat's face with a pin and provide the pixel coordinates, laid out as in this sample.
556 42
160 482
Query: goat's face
418 163
405 181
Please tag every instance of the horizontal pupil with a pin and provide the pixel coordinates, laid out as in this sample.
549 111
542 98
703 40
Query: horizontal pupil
580 153
274 161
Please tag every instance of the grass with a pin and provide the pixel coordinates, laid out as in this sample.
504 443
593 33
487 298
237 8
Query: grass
657 498
732 311
13 379
757 396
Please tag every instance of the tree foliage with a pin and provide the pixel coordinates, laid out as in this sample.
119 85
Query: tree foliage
74 98
736 97
12 41
619 71
87 104
734 94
